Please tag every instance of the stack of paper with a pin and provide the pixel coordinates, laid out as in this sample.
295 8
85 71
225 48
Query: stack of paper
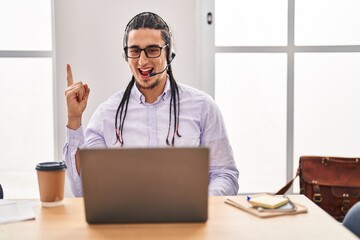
14 211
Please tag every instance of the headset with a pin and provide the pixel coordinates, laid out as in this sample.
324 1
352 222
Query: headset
171 51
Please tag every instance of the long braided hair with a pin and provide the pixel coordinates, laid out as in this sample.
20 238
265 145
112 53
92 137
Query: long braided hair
151 21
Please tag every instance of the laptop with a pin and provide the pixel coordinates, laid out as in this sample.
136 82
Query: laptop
145 185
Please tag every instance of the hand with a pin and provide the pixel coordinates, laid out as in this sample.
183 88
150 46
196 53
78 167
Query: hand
76 95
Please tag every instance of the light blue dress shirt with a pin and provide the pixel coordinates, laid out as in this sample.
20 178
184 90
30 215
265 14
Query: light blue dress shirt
146 125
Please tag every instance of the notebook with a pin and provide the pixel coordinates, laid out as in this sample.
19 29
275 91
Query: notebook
242 202
145 185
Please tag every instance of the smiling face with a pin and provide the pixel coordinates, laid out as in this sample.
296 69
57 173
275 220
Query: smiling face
141 67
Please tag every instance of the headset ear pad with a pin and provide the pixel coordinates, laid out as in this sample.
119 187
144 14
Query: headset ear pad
173 54
171 51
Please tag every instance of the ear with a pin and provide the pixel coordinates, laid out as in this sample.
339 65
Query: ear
124 56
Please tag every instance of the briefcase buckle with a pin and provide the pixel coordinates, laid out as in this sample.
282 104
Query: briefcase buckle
345 203
317 197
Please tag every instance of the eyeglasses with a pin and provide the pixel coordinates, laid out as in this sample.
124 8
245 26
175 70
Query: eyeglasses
150 52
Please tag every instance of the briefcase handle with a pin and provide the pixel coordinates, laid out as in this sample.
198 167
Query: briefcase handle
284 189
343 162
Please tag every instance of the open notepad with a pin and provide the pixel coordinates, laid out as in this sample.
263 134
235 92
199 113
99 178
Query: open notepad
242 203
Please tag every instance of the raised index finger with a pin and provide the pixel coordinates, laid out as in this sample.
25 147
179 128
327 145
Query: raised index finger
70 79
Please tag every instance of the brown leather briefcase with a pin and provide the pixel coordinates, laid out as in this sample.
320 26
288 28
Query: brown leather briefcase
331 182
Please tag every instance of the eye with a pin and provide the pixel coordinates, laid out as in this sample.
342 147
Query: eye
134 50
152 50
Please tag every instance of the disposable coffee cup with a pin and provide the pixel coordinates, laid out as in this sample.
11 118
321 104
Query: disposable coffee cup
51 180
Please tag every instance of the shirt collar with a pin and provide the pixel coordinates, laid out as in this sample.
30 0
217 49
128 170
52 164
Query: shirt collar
140 98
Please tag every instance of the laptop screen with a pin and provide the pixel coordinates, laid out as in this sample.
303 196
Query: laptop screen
139 185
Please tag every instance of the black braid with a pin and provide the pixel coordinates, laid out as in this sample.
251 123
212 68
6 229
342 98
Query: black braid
167 137
174 102
150 20
124 100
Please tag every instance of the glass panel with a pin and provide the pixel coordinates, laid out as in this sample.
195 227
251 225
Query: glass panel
27 123
250 89
250 23
327 22
25 25
19 184
327 116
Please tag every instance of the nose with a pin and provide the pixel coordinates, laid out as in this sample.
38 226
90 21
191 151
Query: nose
143 59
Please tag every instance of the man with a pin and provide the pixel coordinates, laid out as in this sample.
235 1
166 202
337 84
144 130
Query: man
153 111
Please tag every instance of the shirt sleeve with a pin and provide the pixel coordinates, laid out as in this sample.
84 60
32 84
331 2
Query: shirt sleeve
74 141
77 139
223 173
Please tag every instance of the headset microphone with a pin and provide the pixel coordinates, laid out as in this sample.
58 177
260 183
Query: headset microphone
167 65
154 74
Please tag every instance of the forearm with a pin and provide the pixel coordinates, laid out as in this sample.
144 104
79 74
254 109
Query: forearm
223 173
74 123
223 182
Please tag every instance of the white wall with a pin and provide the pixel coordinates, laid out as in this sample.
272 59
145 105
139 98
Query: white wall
88 35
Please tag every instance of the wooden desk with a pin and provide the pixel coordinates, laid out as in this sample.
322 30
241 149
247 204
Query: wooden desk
225 222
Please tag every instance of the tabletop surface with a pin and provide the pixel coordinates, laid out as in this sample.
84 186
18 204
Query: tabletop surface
224 222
